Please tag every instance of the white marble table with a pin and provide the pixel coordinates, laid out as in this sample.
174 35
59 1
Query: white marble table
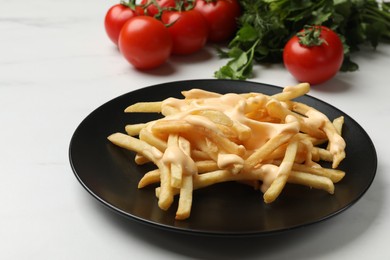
57 65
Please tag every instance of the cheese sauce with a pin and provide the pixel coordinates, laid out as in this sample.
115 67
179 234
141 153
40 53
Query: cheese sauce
252 134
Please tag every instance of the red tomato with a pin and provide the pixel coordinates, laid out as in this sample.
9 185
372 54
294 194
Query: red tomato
115 18
152 9
188 29
221 16
315 64
145 42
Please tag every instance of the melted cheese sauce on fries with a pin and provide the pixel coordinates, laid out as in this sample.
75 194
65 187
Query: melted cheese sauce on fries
207 138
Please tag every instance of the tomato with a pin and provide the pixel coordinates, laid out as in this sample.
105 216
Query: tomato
221 16
188 30
152 9
315 64
115 18
145 42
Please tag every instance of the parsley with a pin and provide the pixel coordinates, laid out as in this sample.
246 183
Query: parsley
265 26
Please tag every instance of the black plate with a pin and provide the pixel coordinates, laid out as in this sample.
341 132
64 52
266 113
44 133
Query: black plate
110 175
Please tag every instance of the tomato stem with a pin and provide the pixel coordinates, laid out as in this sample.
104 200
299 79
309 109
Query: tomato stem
131 4
158 6
310 36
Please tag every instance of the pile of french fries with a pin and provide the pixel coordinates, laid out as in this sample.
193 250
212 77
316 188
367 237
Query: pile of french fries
204 138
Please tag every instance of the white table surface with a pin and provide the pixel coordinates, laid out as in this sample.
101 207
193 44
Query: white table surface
57 65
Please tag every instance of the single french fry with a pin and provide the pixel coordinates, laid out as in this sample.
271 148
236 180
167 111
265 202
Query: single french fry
176 168
206 166
312 181
336 144
210 178
333 174
283 172
338 124
199 94
291 92
185 199
134 129
171 127
136 145
176 175
149 178
165 198
144 107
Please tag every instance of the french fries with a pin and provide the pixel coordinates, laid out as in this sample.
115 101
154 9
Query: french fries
207 138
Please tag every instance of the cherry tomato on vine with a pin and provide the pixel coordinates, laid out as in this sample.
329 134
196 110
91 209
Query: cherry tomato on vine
188 29
221 16
116 17
152 9
314 63
145 42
